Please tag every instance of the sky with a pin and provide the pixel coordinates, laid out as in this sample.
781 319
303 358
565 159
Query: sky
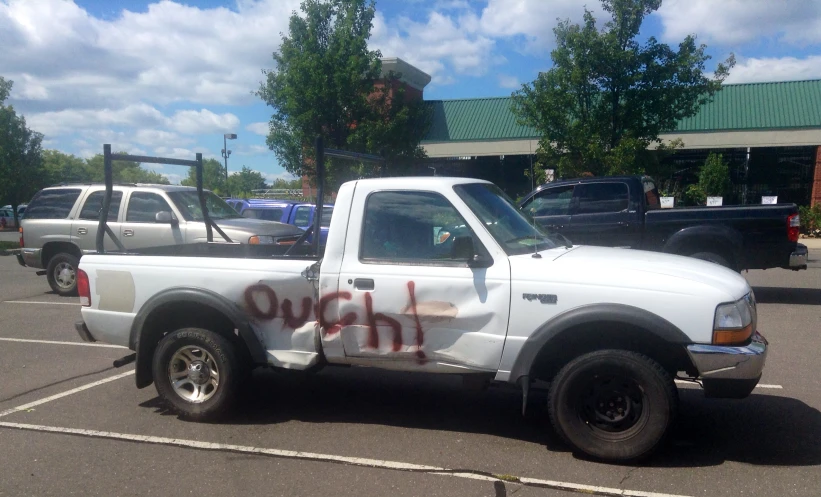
169 78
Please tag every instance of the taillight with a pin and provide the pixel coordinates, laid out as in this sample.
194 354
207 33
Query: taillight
793 227
21 237
83 288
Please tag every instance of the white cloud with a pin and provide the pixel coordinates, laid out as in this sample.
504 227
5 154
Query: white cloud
533 20
171 52
204 121
752 70
442 44
508 82
175 152
258 128
738 21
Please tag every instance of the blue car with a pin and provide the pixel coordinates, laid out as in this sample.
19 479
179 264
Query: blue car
300 214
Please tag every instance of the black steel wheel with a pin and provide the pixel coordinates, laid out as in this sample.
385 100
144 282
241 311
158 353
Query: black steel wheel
613 405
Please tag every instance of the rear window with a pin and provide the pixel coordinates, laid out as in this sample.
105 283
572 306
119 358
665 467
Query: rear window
274 214
52 204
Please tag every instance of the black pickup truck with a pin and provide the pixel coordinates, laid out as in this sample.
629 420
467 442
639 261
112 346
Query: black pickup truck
625 212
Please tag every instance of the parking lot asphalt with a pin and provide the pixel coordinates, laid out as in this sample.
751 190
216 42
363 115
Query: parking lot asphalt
79 426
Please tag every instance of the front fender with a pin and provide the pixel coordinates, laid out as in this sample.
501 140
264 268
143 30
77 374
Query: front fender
592 314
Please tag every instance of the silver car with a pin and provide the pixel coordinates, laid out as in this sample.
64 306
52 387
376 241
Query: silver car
61 222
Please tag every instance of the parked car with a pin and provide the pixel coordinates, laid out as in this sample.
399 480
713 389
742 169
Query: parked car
7 215
299 214
625 212
609 329
61 223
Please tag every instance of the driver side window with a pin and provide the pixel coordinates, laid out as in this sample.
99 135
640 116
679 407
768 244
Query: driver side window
144 206
551 202
412 227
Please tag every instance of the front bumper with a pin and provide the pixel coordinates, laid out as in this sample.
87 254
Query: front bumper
798 259
31 257
729 372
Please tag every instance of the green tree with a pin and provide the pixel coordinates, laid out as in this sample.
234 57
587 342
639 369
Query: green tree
213 176
21 167
325 83
65 168
608 96
284 184
123 172
242 183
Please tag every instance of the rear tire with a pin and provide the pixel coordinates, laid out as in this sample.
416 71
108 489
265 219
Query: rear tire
714 258
196 372
61 274
613 405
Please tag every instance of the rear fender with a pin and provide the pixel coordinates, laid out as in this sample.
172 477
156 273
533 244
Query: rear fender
143 340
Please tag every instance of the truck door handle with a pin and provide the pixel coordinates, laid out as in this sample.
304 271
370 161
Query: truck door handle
82 231
363 284
128 232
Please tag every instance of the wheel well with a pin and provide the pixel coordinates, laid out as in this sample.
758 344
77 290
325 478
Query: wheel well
722 248
173 316
53 248
589 337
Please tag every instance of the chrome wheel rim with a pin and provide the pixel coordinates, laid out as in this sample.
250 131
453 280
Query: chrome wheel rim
64 275
193 374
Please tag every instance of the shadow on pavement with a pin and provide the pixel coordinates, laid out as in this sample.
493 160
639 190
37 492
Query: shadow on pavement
778 295
761 430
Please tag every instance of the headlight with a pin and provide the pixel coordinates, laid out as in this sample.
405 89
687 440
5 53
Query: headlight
261 240
733 323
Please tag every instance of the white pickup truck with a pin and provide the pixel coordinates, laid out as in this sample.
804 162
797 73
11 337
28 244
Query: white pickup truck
437 275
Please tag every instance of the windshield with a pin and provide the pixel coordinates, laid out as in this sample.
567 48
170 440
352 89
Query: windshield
516 233
189 205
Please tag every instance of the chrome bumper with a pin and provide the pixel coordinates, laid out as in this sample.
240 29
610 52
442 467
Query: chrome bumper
729 372
31 257
798 259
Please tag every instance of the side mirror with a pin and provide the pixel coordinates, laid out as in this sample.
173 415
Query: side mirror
463 250
165 217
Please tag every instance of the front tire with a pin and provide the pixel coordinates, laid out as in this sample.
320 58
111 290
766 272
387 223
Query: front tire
61 273
613 405
196 372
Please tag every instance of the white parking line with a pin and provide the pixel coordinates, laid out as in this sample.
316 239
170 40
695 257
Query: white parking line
38 302
57 342
760 385
64 394
352 461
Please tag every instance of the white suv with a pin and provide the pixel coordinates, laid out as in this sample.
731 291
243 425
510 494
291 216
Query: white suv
60 225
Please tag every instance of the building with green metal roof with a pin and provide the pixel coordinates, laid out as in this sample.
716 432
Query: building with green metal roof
769 132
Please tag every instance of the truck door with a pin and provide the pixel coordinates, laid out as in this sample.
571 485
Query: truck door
84 227
410 300
601 216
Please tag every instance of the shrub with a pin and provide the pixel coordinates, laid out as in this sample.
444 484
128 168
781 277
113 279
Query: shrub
811 220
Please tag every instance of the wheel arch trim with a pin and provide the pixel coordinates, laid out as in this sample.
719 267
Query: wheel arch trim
591 314
200 296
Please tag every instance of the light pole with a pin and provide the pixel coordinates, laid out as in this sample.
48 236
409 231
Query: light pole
227 153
